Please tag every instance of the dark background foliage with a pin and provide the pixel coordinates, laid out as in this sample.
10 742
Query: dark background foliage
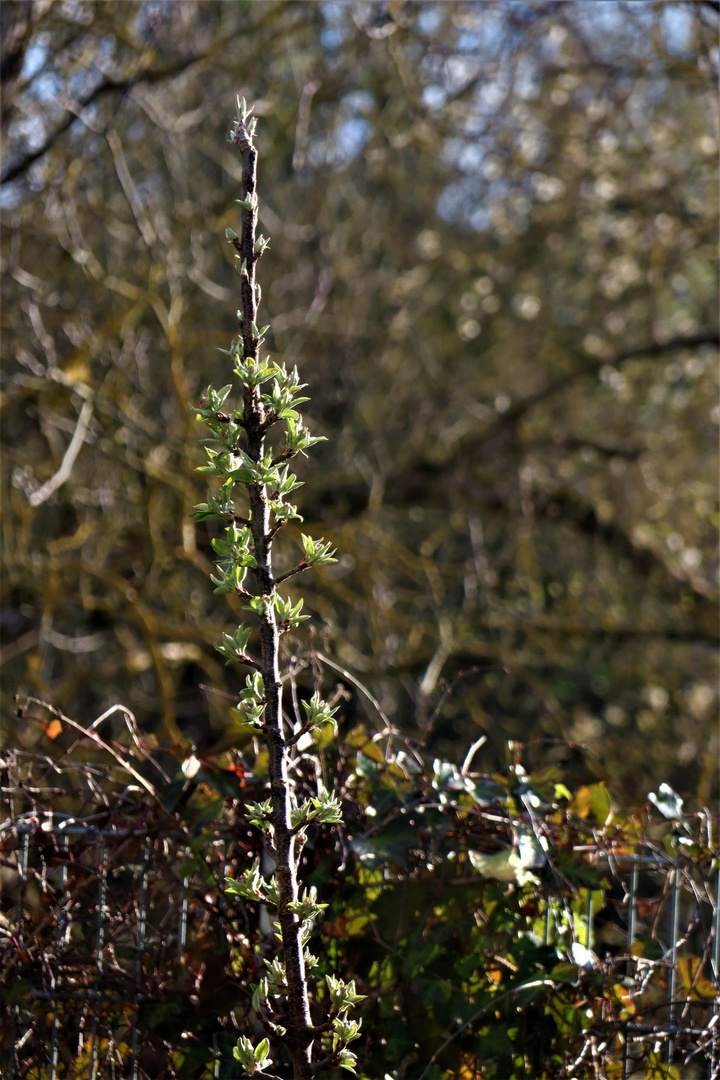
493 236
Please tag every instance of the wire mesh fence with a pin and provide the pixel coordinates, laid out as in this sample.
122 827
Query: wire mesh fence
119 958
96 924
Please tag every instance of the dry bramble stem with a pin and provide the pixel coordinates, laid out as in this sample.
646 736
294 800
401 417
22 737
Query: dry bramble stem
239 454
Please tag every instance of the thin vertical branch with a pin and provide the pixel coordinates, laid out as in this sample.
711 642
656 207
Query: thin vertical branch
299 1028
243 458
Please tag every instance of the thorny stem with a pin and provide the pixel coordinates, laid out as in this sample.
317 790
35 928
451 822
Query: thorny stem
300 1032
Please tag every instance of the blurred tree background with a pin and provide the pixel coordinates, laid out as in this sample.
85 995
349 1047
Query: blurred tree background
493 258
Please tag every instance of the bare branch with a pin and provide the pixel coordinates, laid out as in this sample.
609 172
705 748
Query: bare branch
90 734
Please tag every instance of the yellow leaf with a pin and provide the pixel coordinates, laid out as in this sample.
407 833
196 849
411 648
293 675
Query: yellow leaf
580 805
373 751
626 1000
693 982
357 737
356 924
324 736
469 1067
600 802
656 1069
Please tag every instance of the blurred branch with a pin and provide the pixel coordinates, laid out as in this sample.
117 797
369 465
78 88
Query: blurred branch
572 443
16 26
107 86
416 481
706 336
17 648
569 506
50 487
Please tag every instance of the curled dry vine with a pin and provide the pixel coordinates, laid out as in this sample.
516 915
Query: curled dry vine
240 454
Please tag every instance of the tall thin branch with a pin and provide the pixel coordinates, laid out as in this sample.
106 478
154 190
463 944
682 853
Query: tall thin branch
299 1027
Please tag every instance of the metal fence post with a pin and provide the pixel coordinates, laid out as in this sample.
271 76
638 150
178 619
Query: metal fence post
101 863
674 914
632 895
142 924
715 1044
22 874
60 941
182 922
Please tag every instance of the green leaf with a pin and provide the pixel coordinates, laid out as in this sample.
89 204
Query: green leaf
306 906
317 552
347 1060
243 1052
318 713
261 1051
298 438
251 708
565 973
251 886
600 802
261 605
502 866
288 615
218 506
284 483
233 647
284 511
252 372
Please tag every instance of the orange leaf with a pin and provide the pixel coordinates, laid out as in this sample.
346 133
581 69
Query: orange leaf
52 728
238 769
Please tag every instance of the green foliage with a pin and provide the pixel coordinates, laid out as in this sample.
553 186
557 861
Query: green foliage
317 553
288 613
233 646
324 810
251 886
252 1058
251 705
218 506
318 713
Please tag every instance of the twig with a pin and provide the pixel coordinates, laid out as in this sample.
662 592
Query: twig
98 742
471 754
363 690
289 573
